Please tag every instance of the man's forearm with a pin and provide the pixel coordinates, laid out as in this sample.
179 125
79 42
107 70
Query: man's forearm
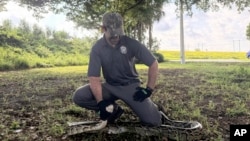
152 75
96 88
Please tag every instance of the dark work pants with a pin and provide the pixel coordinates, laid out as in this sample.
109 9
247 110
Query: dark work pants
146 110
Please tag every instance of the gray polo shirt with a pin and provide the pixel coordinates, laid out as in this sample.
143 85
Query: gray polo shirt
118 64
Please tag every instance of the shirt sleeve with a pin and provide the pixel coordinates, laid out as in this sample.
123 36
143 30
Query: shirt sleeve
144 55
94 67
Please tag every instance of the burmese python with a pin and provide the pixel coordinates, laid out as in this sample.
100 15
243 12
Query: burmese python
175 130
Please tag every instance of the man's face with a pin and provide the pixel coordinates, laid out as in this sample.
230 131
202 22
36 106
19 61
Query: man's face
112 39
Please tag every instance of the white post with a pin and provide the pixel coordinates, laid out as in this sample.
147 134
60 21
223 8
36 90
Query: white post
182 34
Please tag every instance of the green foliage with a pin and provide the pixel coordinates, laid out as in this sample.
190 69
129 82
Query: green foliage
239 108
24 47
16 58
242 72
240 4
56 129
38 36
239 75
2 5
9 35
42 51
139 15
159 57
13 58
15 125
153 44
21 63
248 32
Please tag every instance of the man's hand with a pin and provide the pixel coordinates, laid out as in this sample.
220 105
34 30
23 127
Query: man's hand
142 93
104 114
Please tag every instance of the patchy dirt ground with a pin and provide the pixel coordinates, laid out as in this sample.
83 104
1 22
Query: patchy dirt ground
36 106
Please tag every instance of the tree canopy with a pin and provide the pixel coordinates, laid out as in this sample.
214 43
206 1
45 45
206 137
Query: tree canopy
139 15
2 5
91 10
206 5
88 13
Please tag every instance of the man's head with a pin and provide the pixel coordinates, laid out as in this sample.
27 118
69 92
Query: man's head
113 23
113 27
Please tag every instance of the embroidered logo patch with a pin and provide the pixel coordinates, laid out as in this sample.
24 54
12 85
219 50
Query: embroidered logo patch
123 49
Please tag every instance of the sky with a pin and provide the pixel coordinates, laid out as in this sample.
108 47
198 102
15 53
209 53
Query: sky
224 30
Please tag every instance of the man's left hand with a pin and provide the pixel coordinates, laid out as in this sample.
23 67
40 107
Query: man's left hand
142 93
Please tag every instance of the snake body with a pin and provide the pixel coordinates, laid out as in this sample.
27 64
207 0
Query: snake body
172 129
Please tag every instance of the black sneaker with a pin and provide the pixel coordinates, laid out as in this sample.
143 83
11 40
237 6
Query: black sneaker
118 111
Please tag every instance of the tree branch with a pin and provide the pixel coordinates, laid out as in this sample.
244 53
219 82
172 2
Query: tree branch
133 6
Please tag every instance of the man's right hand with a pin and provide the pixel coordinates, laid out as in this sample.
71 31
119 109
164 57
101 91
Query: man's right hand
104 114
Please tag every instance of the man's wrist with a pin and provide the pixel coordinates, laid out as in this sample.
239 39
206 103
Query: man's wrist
149 89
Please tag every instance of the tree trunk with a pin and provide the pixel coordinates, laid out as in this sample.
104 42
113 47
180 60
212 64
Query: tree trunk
139 31
150 38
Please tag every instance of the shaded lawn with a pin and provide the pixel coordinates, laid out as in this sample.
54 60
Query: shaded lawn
36 104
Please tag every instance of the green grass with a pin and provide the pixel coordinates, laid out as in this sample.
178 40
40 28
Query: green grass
37 102
16 58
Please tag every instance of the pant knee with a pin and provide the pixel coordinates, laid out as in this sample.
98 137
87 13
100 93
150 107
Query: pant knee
84 98
76 97
81 94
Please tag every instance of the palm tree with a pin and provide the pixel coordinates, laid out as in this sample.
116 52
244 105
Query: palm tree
142 17
155 14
